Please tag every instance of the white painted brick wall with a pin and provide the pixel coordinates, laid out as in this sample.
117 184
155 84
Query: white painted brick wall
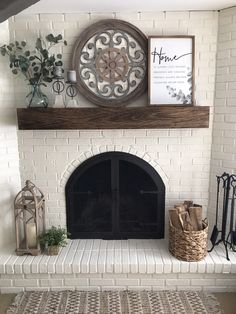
224 125
182 156
210 283
49 163
9 160
179 153
201 24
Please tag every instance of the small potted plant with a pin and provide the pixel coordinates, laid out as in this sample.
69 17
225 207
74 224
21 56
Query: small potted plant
53 239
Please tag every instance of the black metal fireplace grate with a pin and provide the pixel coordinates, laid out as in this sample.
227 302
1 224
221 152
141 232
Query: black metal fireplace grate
115 195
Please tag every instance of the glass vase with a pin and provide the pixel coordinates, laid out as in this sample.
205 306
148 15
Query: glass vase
36 98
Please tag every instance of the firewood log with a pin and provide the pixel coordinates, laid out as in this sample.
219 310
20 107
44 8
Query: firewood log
188 204
174 218
185 221
195 214
180 208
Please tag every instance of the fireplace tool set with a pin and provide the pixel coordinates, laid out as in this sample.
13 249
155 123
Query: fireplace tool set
225 200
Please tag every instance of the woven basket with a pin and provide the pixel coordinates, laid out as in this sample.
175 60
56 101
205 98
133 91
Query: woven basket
190 246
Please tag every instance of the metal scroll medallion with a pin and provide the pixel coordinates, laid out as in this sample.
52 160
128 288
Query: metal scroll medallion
110 58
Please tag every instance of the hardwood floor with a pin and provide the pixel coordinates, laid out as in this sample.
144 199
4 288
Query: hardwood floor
5 301
227 301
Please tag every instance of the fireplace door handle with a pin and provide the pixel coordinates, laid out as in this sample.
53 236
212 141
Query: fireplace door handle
148 192
85 192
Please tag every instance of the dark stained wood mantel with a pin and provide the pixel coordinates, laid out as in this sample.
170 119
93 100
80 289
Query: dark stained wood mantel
148 117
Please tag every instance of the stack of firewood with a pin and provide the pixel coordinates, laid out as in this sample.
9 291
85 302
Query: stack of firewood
187 216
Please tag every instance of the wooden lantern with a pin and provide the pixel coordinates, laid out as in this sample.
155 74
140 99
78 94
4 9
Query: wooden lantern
29 207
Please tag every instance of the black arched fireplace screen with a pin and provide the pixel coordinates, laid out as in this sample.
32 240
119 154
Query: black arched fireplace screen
115 195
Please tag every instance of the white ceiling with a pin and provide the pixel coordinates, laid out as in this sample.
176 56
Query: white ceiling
68 6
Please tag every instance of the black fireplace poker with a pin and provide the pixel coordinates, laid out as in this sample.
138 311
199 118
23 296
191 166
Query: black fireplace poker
228 188
232 230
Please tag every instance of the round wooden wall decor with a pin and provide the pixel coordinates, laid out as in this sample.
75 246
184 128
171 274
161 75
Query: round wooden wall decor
110 58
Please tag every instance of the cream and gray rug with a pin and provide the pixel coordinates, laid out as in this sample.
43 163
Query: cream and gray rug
118 302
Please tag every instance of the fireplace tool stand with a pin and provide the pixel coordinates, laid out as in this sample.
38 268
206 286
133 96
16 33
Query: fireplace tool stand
229 186
232 229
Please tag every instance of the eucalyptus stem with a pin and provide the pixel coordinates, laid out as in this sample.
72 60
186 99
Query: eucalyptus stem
35 65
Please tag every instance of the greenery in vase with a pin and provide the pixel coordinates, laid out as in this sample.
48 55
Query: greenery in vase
54 237
37 65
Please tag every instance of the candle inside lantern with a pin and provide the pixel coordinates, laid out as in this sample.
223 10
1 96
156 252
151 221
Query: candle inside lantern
71 76
31 235
58 71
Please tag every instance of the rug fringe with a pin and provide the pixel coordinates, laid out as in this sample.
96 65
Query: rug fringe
13 307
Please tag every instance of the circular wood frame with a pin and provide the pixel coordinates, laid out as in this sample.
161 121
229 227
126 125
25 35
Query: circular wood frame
89 32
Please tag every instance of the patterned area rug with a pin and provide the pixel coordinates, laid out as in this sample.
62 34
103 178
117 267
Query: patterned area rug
119 302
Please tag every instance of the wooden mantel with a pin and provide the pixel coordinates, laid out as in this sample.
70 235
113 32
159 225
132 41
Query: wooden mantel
147 117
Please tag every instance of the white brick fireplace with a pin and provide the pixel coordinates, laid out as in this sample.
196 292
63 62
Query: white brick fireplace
184 158
49 157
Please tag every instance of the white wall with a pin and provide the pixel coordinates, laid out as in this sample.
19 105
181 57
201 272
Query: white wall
9 160
224 125
183 156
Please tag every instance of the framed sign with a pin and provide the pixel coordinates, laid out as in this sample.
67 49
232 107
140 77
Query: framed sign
171 70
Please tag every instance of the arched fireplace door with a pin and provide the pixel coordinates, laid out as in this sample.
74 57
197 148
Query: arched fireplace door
115 195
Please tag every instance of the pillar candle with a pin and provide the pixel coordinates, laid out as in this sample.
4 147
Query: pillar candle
71 76
58 71
31 235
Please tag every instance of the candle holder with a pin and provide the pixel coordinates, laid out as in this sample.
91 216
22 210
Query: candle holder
58 87
71 92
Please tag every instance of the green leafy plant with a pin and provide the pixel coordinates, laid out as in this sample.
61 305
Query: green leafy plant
36 65
55 236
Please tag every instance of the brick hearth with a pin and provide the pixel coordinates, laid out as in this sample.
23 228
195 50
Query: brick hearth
118 264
